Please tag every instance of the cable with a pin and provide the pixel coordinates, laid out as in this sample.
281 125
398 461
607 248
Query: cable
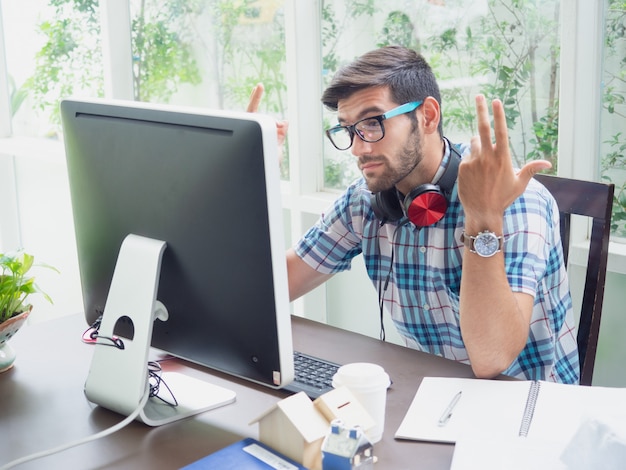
381 296
93 437
382 287
155 381
91 335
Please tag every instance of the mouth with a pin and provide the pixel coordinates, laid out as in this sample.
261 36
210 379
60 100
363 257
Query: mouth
369 166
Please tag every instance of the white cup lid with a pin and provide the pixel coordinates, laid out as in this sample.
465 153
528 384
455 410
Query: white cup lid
361 374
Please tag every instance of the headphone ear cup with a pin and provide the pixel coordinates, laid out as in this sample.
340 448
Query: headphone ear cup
425 205
386 206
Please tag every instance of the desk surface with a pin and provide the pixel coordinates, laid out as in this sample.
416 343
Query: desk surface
43 406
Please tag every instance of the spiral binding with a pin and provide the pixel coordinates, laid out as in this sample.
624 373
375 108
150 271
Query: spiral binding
529 409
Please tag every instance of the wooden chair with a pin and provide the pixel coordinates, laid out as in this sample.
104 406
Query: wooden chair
593 200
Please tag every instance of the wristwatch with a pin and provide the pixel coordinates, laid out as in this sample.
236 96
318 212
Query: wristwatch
484 244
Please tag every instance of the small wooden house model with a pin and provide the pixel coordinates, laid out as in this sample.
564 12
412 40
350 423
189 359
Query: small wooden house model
295 428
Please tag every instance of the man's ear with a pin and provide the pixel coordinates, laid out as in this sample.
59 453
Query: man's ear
430 116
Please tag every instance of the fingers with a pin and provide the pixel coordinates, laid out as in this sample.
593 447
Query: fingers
255 98
281 129
484 126
475 146
501 132
499 123
531 168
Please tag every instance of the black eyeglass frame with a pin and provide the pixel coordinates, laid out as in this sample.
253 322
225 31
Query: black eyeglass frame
352 129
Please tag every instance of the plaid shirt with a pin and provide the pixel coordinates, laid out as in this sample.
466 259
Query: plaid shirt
422 295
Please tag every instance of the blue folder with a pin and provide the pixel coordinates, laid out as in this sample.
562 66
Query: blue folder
247 454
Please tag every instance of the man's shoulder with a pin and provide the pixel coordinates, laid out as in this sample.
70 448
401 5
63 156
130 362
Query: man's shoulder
356 192
535 202
463 148
535 189
352 204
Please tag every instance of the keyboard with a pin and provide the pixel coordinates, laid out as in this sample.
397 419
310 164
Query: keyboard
313 375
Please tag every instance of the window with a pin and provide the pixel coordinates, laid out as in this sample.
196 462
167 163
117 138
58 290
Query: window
30 117
209 54
188 52
613 118
473 46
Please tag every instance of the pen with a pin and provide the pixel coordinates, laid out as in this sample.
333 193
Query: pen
447 414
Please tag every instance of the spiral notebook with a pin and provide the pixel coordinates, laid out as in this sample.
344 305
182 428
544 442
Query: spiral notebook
444 409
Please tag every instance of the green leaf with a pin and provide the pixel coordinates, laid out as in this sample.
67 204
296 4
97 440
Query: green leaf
15 285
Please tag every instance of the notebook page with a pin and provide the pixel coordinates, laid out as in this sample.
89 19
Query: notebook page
510 453
486 406
561 408
573 427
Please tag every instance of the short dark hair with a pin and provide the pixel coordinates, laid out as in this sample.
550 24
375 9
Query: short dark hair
405 72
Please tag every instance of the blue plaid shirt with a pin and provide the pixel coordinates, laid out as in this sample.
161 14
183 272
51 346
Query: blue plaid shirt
422 296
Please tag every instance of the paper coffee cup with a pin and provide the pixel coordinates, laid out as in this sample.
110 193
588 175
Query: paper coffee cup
368 383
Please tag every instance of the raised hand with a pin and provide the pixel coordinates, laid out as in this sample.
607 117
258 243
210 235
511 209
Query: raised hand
255 98
488 184
281 126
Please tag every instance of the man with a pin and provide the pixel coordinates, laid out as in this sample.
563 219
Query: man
469 268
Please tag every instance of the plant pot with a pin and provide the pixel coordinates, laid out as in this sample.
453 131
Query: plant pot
7 330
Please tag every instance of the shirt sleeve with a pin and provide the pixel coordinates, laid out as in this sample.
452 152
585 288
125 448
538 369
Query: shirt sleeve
532 242
331 244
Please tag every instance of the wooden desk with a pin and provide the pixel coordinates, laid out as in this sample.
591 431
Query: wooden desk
42 404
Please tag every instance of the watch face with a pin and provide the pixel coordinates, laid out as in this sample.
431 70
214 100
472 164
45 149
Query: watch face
486 244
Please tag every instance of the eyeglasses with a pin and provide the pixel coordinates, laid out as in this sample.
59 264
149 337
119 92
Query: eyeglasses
370 129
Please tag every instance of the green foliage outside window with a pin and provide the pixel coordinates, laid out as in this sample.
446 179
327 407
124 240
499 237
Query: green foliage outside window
499 53
167 39
70 62
614 148
69 56
162 49
496 53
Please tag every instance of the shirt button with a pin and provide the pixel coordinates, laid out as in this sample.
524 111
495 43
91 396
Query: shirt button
423 249
426 307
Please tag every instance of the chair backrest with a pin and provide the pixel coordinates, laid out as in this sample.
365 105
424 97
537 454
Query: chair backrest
593 200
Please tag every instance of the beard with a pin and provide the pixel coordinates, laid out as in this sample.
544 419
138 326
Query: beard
409 156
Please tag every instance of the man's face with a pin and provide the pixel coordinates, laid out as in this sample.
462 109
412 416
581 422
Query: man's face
387 162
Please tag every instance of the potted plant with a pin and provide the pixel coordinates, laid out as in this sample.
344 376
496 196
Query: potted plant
15 288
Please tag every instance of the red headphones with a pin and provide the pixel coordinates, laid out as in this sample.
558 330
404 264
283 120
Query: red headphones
424 205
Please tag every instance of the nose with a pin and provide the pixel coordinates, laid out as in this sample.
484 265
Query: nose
360 147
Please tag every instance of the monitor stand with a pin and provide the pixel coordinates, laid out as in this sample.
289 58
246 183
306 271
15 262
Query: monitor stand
118 377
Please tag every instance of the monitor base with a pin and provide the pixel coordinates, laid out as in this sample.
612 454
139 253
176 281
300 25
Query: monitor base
119 378
193 396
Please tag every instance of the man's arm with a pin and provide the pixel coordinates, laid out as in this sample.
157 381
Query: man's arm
494 320
302 277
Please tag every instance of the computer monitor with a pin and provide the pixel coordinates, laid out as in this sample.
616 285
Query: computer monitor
207 184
